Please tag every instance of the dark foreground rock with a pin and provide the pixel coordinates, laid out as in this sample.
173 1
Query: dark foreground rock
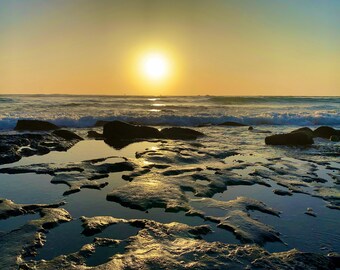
116 130
67 135
35 125
14 147
294 138
326 132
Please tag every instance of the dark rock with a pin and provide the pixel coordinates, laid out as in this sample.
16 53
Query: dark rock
232 124
296 138
282 192
326 132
13 147
305 130
94 134
335 138
67 135
250 128
117 130
310 212
101 123
35 125
334 258
177 133
116 133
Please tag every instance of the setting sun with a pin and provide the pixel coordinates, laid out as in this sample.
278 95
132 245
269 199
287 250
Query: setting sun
155 66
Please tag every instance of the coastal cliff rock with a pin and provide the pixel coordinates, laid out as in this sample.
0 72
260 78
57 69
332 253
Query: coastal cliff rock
35 125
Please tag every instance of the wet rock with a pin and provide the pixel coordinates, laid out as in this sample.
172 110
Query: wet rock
310 212
94 134
177 133
334 258
236 218
35 125
295 138
305 130
67 135
100 123
9 209
282 192
76 175
326 132
259 130
117 130
94 225
232 124
177 246
335 138
330 194
294 259
22 242
13 147
145 193
247 229
76 182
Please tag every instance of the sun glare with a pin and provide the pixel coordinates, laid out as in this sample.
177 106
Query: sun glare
155 66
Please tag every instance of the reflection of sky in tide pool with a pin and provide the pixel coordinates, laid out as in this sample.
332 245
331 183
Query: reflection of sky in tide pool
317 234
298 230
85 150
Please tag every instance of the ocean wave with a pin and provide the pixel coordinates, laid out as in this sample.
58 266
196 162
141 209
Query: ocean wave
6 100
316 119
275 99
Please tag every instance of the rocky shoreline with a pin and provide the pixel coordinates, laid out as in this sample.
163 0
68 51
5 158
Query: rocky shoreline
163 178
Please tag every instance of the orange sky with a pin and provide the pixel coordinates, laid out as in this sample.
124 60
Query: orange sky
215 47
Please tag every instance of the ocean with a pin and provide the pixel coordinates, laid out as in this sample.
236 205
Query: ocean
83 111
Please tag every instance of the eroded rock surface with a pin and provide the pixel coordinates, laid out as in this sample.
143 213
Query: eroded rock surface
14 147
8 208
76 175
235 217
178 246
20 243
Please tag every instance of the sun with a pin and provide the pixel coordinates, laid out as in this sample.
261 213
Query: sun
155 66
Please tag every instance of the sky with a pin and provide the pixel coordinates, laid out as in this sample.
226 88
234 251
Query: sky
216 47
